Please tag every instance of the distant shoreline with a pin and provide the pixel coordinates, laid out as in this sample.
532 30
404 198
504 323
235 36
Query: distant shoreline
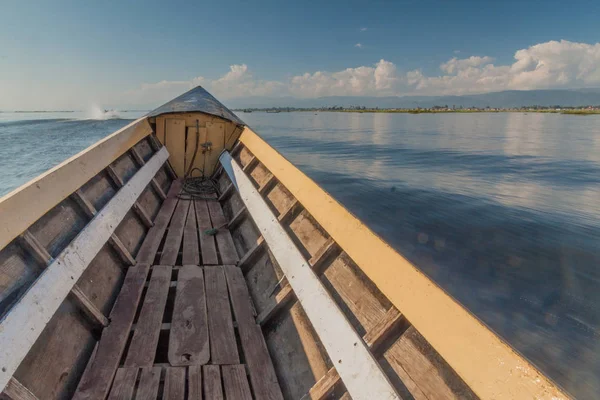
568 111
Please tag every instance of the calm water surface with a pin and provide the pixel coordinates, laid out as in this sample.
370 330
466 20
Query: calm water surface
501 210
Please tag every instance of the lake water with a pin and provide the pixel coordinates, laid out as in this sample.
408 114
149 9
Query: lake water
501 210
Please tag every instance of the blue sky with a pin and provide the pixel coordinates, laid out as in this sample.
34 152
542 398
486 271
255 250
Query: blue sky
61 54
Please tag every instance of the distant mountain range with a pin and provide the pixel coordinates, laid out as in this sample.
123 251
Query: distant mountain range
505 99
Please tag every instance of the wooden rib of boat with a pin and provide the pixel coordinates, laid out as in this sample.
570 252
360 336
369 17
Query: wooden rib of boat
125 275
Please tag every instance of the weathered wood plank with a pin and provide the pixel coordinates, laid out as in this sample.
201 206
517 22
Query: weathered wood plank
223 346
223 237
253 162
189 340
285 216
142 349
88 307
174 384
96 382
138 158
207 242
191 249
237 219
245 262
236 382
262 373
18 212
175 142
144 217
283 297
268 185
212 382
378 333
226 193
155 234
361 373
149 382
286 294
195 382
175 234
16 391
40 302
124 384
44 258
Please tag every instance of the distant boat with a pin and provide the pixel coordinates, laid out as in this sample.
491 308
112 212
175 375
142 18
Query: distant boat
273 111
155 261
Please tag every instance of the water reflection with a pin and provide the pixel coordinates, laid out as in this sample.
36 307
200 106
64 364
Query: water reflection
500 209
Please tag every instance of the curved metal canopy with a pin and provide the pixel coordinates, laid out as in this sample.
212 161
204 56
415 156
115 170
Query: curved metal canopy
197 100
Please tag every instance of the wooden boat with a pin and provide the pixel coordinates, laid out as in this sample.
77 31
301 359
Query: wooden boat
125 275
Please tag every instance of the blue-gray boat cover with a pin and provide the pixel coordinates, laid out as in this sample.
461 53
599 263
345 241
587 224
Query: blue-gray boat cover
197 100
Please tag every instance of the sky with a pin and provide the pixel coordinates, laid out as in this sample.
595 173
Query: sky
73 54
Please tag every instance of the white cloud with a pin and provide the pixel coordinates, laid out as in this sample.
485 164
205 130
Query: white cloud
554 64
455 65
363 29
358 45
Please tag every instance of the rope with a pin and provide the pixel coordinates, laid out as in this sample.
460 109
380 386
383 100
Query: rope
199 187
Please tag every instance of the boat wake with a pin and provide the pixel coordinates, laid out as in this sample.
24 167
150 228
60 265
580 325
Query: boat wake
98 113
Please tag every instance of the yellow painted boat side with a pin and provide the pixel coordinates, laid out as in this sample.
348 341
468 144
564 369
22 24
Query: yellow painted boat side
489 366
26 204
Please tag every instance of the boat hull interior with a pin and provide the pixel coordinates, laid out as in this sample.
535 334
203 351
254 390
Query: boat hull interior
118 282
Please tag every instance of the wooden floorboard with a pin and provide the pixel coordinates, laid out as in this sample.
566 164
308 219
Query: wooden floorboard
195 382
191 250
212 382
188 340
155 234
235 382
223 346
207 242
262 373
174 384
223 237
96 381
124 384
175 234
142 349
149 382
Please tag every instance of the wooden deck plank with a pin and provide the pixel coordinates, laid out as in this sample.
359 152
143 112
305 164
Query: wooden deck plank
16 391
212 382
262 373
235 382
223 346
223 237
149 382
96 382
124 384
142 349
191 251
155 234
195 382
189 340
207 242
174 384
175 234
